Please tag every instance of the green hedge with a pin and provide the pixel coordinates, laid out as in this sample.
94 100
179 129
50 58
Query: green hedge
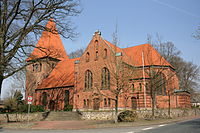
24 109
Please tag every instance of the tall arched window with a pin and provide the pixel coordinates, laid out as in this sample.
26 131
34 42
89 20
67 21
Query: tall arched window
105 78
88 80
161 84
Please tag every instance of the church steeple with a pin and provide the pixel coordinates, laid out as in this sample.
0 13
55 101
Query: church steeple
49 44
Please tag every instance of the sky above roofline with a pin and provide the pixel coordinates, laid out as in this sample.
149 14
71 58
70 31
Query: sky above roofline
173 20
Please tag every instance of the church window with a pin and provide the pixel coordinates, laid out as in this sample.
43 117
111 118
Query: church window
37 67
84 102
88 102
97 55
105 53
96 44
133 87
105 102
147 88
88 80
87 57
140 85
109 102
105 78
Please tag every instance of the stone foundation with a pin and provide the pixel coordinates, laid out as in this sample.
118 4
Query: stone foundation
143 114
102 115
21 117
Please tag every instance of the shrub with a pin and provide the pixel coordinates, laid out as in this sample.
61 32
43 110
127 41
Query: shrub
127 116
33 108
68 107
36 108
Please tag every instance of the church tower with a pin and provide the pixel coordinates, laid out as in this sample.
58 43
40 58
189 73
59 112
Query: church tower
48 52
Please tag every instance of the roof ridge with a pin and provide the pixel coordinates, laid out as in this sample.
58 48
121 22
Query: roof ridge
138 45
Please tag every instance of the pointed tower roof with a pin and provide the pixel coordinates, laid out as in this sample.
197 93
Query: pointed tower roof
49 44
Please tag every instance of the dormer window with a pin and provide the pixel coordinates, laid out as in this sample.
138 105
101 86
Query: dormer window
87 57
105 53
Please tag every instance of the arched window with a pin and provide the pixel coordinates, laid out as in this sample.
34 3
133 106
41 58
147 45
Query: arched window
97 55
133 87
105 53
44 99
40 68
105 78
96 44
161 84
105 102
87 57
88 80
147 88
140 84
84 103
109 102
88 103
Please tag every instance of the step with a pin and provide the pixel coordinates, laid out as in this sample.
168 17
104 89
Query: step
63 116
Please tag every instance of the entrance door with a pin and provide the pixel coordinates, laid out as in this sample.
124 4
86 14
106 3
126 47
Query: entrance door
96 103
52 105
134 103
66 97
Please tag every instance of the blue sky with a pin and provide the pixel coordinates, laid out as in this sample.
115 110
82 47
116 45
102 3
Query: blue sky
174 20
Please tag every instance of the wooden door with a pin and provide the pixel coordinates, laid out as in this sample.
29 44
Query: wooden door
96 103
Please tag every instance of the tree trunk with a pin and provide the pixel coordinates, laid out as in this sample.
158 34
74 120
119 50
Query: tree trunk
116 109
1 82
169 108
153 106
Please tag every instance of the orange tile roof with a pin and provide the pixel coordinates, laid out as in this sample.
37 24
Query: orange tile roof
49 44
61 76
151 56
133 55
113 47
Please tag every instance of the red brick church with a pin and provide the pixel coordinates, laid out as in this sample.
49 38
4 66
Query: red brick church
104 74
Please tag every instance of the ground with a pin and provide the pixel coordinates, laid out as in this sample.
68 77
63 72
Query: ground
187 126
77 125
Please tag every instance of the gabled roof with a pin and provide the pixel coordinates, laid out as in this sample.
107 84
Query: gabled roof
49 44
61 76
133 55
150 55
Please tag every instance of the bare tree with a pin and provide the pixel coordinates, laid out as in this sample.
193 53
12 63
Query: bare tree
187 72
197 34
13 100
23 20
77 53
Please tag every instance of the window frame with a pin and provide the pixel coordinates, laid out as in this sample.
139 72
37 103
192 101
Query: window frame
88 80
105 79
